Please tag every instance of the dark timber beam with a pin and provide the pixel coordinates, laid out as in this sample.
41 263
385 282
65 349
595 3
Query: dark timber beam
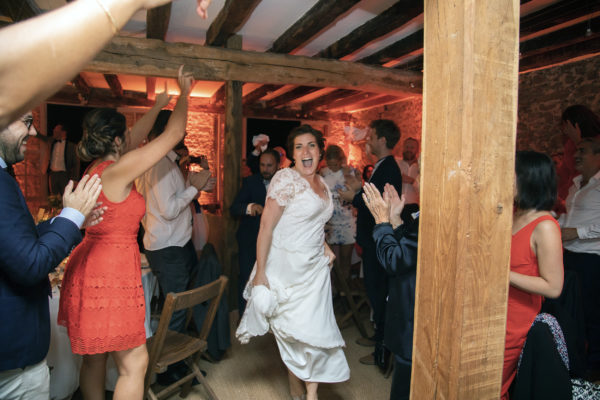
286 97
19 10
587 46
82 86
396 50
558 13
114 84
150 88
327 99
374 102
230 19
157 22
320 16
392 18
259 93
561 38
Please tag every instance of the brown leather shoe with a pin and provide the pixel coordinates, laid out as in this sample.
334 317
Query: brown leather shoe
367 342
367 360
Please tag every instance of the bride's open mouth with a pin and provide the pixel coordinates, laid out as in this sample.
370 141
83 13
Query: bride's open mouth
307 162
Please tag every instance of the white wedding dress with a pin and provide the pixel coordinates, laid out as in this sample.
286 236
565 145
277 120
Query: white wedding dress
298 307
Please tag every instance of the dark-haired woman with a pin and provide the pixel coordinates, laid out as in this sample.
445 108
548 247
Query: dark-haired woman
102 300
536 268
293 261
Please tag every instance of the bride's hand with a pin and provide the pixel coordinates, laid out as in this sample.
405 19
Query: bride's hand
260 279
329 254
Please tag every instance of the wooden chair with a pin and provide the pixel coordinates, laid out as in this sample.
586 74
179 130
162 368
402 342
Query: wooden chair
168 347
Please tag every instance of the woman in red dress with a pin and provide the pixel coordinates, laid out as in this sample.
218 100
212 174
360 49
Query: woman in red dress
102 300
536 268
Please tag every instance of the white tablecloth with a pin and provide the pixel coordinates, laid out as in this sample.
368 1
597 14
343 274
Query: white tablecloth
64 365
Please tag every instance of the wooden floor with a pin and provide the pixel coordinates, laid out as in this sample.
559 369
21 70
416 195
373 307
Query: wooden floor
255 371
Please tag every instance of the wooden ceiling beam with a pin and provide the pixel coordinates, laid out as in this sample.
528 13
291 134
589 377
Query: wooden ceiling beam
19 10
219 96
315 20
352 99
82 86
146 57
114 84
372 103
230 19
259 93
320 16
392 18
556 14
560 38
396 50
157 22
583 47
288 113
327 99
293 94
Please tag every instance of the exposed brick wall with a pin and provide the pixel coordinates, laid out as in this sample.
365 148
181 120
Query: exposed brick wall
202 140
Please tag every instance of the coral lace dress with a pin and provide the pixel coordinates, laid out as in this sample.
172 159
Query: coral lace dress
102 298
523 307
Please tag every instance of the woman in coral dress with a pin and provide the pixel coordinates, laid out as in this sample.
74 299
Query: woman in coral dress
102 300
293 261
536 268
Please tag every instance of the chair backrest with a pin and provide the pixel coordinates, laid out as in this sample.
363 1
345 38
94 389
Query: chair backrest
178 301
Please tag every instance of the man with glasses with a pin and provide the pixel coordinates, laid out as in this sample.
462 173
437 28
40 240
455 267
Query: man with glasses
27 254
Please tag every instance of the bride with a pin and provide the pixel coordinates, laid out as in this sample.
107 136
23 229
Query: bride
289 290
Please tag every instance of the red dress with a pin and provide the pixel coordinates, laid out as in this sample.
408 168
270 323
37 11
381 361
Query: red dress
102 298
523 307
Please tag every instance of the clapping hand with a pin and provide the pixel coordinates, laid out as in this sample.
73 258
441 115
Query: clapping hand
83 198
379 208
395 202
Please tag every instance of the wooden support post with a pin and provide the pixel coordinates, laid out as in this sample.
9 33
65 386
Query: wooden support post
469 131
232 165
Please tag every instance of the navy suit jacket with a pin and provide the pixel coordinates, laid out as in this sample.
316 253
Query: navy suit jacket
386 172
252 191
27 254
397 254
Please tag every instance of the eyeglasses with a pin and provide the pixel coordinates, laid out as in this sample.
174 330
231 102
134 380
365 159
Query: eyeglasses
28 121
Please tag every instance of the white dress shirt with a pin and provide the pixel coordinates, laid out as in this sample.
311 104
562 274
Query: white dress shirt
409 190
168 219
583 213
57 160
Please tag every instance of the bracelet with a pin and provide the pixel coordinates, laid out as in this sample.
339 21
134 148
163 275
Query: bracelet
109 16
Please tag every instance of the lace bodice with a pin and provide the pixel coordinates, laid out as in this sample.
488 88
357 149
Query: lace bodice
305 214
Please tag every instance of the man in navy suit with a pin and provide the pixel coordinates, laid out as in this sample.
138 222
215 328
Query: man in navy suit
382 137
248 204
27 254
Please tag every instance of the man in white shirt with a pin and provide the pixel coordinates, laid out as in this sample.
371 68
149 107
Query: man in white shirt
409 166
168 221
581 239
64 164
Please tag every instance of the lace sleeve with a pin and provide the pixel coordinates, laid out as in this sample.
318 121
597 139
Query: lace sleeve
284 186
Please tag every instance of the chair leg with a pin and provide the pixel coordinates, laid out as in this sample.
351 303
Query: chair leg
341 280
202 380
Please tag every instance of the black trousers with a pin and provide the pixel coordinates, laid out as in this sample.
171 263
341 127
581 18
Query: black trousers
246 258
376 285
587 267
401 379
176 269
